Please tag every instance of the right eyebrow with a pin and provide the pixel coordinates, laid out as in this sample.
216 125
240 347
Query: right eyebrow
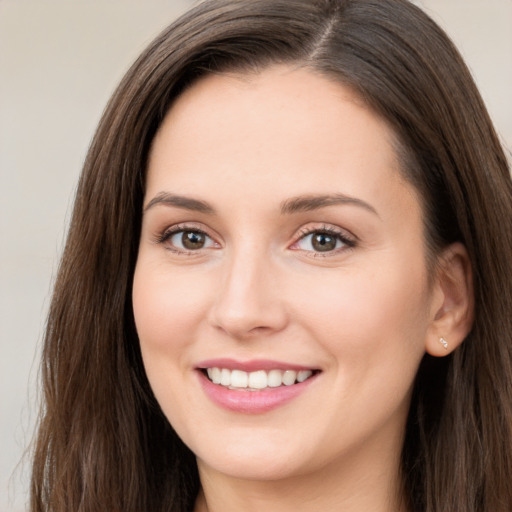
187 203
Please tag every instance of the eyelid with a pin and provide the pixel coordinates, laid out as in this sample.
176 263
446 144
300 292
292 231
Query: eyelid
348 240
163 236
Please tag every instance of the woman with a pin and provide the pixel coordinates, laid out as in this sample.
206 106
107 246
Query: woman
287 281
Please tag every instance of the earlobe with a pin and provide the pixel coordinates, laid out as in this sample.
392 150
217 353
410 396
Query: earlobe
453 303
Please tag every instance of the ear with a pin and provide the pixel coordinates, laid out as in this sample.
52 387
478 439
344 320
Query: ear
452 302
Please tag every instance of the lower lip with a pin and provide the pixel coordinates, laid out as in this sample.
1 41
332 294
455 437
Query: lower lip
252 402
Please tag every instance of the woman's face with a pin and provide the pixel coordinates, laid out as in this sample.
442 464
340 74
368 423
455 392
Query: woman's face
281 254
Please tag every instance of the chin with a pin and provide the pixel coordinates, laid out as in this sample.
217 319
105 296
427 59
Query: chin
255 469
258 459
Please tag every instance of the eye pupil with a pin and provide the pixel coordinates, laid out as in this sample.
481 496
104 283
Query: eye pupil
193 240
323 242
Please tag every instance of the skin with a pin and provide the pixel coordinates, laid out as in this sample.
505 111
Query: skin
363 313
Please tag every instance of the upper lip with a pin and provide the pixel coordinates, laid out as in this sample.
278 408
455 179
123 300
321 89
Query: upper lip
252 365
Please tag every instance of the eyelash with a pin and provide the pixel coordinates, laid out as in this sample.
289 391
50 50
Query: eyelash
349 242
167 234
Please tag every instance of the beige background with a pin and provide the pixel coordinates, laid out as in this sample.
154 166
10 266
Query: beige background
59 63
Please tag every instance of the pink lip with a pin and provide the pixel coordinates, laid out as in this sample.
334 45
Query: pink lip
250 366
252 402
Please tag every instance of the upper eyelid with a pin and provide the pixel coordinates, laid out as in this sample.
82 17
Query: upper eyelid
164 238
188 226
348 239
164 234
325 228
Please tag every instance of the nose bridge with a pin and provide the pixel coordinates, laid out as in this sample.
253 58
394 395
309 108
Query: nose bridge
246 301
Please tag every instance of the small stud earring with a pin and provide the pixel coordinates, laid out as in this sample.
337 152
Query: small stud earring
444 343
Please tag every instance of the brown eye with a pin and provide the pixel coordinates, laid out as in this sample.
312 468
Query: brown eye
193 240
184 240
323 242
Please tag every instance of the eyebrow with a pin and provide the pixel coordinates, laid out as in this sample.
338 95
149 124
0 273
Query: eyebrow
304 203
313 202
187 203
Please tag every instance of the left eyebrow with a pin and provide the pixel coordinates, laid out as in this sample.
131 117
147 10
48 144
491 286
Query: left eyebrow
307 203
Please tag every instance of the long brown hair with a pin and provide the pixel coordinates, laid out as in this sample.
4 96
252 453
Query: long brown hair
103 443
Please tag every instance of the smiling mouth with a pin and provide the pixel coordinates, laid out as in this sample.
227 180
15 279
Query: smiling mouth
257 380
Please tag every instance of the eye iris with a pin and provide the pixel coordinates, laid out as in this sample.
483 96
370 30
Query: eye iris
193 240
323 242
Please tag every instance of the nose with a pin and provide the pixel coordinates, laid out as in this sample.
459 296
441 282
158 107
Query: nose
248 301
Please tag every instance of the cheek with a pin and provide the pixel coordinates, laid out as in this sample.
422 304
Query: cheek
165 305
365 310
168 310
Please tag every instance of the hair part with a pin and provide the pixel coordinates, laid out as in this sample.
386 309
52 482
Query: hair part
103 442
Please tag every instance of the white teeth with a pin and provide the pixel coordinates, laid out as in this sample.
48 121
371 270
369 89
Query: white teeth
303 375
239 379
225 377
274 378
216 375
256 380
289 377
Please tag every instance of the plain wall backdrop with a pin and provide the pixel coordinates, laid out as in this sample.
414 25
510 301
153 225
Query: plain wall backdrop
59 63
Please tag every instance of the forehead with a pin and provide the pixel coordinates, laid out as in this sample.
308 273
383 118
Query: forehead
280 129
290 96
